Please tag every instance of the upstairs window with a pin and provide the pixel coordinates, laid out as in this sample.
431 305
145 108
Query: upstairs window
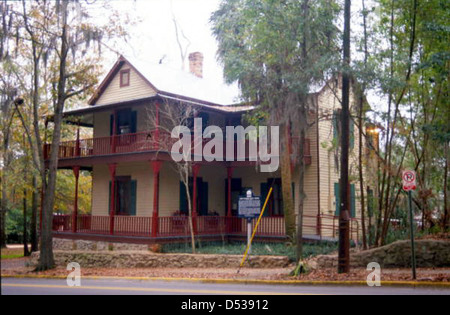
125 78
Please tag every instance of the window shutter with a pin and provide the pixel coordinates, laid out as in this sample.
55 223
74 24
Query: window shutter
353 200
111 123
133 194
133 123
183 199
337 194
204 199
352 134
109 198
370 202
264 193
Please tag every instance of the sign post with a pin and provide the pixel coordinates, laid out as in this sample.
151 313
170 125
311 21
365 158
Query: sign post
249 208
409 184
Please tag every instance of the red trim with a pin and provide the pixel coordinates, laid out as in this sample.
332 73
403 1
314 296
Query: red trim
156 165
76 172
157 125
112 211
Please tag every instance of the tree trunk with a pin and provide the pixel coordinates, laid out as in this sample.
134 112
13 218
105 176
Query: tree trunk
301 182
446 223
361 172
286 178
34 212
46 260
26 251
344 218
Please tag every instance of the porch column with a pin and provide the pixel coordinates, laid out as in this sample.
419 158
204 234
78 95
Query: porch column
77 143
112 210
114 132
157 126
76 172
156 165
195 171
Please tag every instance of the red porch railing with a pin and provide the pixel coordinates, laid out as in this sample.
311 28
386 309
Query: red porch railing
153 140
178 226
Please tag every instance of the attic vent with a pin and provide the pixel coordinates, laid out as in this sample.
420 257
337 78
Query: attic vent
125 78
196 64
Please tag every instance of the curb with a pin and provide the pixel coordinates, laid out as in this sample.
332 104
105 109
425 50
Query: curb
410 284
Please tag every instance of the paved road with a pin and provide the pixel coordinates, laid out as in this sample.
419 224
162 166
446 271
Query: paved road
27 286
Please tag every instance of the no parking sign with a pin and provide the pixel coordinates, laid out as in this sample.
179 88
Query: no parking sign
409 180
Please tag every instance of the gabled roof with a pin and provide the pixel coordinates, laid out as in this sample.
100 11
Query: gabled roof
177 84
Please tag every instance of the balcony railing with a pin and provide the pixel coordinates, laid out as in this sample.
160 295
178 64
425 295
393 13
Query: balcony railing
151 141
178 226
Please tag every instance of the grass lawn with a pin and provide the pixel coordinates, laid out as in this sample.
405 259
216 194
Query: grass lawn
238 248
9 253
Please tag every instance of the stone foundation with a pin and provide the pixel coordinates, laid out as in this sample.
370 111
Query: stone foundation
94 246
429 254
140 259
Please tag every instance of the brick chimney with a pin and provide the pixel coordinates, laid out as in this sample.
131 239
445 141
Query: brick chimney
196 64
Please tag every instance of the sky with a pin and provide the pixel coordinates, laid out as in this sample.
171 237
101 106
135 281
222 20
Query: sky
154 37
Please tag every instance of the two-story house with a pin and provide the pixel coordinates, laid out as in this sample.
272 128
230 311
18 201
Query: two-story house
137 194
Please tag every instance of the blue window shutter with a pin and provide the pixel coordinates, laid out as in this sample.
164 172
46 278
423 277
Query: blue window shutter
264 193
204 199
109 198
183 199
133 192
337 194
111 125
370 202
353 200
133 123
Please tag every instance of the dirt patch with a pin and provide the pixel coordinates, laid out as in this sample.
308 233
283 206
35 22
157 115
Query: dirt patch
279 274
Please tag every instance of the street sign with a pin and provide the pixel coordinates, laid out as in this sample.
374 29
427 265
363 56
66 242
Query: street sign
249 207
409 184
409 180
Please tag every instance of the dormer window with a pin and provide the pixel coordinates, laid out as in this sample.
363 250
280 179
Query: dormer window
125 78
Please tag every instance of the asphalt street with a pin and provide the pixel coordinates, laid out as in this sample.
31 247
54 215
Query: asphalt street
32 286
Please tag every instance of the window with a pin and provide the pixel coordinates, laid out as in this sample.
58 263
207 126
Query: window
125 78
125 191
126 122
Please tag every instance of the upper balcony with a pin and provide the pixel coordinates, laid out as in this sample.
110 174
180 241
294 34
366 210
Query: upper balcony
153 141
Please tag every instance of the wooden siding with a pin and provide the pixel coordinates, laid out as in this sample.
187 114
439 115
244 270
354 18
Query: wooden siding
328 170
137 89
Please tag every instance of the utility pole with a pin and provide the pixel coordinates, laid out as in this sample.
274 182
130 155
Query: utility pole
344 217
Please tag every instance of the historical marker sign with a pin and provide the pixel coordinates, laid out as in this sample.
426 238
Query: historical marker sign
249 207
